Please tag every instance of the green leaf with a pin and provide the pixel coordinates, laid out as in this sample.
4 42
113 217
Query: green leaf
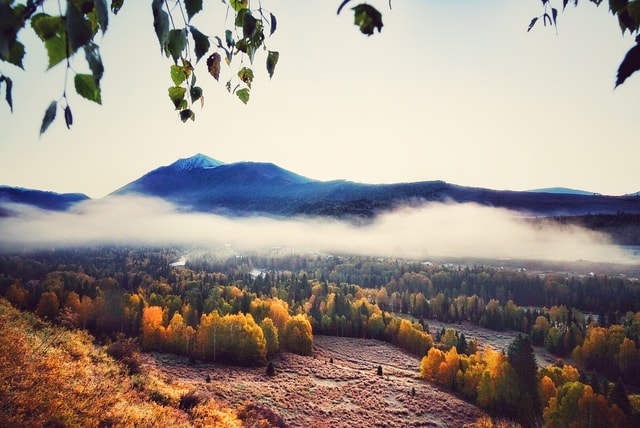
239 5
368 18
272 60
56 49
192 7
213 64
243 94
16 54
68 117
187 114
176 43
87 87
160 23
116 5
92 54
47 26
102 13
49 116
177 74
176 94
201 41
246 75
78 28
196 93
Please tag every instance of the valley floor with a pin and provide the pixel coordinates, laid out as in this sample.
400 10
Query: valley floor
317 392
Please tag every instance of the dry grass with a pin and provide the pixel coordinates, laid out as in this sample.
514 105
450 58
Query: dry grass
313 392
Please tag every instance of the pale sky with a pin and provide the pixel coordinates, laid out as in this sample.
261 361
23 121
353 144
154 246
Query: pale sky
450 90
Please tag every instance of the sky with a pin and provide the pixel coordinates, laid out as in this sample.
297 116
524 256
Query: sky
453 91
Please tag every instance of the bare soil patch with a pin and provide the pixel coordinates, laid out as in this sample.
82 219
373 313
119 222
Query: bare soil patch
317 392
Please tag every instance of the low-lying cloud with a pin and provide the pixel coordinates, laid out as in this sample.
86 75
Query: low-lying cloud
435 230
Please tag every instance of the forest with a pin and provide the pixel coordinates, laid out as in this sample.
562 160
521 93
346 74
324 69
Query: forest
243 309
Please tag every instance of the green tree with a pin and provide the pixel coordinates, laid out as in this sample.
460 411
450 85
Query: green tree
522 359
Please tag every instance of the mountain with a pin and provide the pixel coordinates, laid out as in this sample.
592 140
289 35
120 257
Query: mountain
203 184
38 198
561 190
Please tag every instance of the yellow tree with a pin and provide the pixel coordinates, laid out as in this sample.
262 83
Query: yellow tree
153 332
296 336
270 333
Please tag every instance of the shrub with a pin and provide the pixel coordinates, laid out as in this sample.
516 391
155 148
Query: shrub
271 369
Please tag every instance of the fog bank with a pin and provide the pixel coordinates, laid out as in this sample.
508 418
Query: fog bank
435 230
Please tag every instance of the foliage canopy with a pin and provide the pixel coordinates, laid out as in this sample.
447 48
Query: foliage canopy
73 29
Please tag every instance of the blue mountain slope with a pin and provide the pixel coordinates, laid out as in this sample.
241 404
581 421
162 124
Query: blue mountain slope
39 198
246 188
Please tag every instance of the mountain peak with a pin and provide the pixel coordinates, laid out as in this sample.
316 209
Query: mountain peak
197 161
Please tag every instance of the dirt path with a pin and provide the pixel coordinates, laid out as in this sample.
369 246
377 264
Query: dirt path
314 392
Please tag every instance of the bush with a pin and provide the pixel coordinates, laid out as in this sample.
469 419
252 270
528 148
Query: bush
189 400
271 369
125 350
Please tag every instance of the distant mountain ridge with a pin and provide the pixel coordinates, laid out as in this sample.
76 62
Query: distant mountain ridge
38 198
203 184
254 188
561 190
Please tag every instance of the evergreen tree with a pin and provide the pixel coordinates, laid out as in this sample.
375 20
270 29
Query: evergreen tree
522 358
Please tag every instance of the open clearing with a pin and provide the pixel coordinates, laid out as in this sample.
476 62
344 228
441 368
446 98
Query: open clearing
315 392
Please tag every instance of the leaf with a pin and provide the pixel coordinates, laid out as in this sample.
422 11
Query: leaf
47 26
248 25
343 4
238 5
246 75
617 5
49 117
176 94
532 23
630 64
554 15
16 54
367 18
228 35
56 49
87 87
116 5
176 43
177 74
192 7
78 28
187 114
68 117
213 64
102 13
201 41
243 94
9 85
274 24
92 54
160 23
195 93
272 60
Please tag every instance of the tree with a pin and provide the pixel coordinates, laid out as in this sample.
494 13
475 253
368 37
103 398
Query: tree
48 306
74 28
523 360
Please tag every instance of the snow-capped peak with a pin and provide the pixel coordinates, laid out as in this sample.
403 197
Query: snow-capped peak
198 161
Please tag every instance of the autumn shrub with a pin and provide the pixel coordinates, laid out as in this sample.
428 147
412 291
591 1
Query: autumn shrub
189 400
257 416
271 369
125 350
